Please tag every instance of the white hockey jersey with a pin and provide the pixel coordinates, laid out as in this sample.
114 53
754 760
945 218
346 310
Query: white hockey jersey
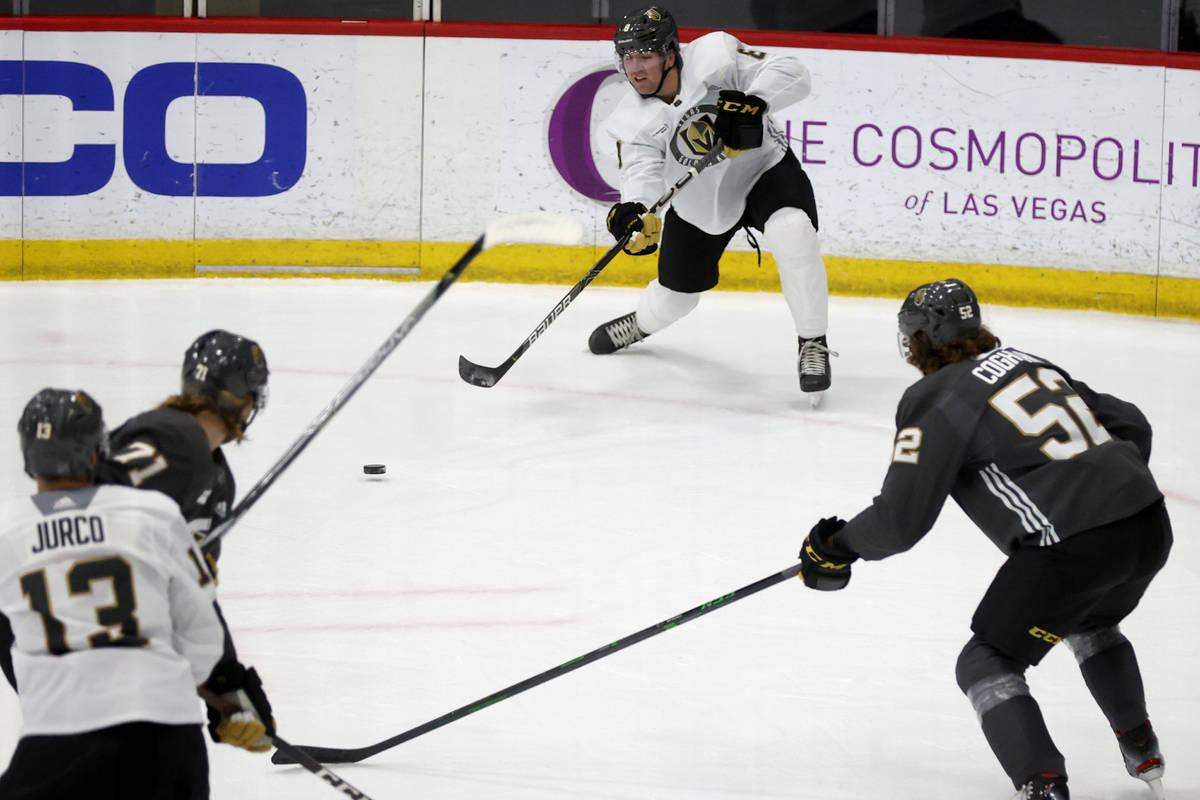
658 142
110 607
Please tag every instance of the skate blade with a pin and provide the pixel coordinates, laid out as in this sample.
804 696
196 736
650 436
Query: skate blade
1156 787
814 398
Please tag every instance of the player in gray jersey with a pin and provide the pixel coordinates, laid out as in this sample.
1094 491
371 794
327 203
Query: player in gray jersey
114 623
176 449
1057 476
679 101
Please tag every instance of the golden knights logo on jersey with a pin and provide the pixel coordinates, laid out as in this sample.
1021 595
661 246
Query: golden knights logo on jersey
694 135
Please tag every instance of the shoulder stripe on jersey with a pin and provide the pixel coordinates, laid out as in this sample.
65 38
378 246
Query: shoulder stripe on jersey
1014 499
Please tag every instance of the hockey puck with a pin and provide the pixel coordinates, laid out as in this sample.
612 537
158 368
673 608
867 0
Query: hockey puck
374 469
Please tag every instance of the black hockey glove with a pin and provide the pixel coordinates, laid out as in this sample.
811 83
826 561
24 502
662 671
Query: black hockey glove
238 710
739 121
823 565
626 217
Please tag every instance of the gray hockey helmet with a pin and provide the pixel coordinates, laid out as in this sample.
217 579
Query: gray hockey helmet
60 429
650 29
225 367
944 310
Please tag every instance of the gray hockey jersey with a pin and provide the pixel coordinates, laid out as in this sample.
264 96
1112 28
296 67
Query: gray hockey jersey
1031 455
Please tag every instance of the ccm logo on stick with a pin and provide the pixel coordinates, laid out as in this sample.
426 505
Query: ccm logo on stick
144 145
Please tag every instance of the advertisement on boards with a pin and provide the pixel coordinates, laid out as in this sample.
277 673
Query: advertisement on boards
1180 213
238 137
174 135
10 136
921 157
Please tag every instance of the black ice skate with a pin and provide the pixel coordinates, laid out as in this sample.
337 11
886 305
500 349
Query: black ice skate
1046 786
1143 758
616 334
813 365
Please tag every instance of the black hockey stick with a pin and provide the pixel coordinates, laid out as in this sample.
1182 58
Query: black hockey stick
312 765
538 228
338 755
478 375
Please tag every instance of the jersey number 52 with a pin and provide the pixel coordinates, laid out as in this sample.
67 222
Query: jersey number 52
1072 416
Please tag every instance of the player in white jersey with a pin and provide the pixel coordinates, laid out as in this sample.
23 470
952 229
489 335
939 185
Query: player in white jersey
679 102
112 611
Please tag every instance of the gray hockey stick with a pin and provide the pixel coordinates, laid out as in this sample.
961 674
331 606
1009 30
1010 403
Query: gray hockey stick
349 755
487 377
537 228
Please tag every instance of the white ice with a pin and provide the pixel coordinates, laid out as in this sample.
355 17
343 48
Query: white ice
585 498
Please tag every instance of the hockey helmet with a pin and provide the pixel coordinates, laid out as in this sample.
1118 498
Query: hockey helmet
650 29
225 367
60 429
944 310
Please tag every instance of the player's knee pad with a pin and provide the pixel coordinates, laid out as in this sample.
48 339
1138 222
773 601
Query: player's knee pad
988 677
1092 643
792 240
659 306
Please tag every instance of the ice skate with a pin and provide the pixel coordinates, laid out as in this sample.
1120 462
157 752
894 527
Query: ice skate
1143 758
813 365
616 334
1046 786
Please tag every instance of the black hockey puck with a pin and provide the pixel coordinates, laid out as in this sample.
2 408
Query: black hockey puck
374 469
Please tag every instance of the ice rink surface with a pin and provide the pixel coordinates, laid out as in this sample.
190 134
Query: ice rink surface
585 498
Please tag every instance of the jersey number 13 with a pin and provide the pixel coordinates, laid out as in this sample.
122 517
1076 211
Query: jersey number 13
119 620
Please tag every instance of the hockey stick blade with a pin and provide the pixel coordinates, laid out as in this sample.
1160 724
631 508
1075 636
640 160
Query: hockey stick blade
340 755
487 377
478 375
316 768
533 228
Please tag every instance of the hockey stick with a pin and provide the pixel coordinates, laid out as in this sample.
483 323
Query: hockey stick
337 755
478 375
312 765
536 228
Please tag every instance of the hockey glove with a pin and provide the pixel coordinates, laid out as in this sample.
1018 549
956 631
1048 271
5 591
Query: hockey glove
647 228
823 565
739 121
238 710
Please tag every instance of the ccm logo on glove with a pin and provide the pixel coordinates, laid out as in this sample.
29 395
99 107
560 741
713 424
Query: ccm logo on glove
749 105
739 121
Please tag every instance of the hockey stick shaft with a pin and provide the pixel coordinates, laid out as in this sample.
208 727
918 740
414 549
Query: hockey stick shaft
298 756
334 755
539 228
486 377
342 397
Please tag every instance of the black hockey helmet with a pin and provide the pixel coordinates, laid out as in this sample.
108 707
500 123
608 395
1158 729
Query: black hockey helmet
650 29
60 429
225 367
944 310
